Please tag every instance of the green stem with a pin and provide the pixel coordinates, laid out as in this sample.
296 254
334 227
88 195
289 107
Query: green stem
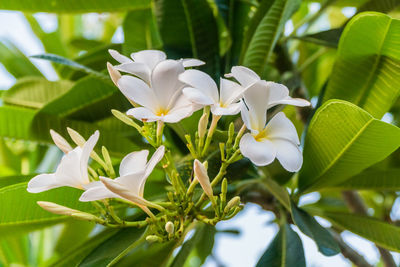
210 133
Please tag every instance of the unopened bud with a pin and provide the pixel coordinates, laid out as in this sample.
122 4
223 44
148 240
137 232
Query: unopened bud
202 126
169 227
224 186
235 201
60 142
201 175
55 208
153 238
114 74
76 137
231 131
86 217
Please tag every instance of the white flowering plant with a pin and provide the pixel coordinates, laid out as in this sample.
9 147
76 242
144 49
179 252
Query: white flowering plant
144 143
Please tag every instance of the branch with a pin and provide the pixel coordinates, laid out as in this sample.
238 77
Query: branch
356 205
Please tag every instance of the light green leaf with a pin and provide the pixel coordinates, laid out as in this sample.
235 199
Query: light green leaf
19 211
367 67
285 250
77 6
267 34
342 140
26 124
279 192
381 233
35 92
372 179
310 227
15 62
74 233
140 31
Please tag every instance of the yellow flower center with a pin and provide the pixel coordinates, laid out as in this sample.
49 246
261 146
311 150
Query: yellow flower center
162 112
261 136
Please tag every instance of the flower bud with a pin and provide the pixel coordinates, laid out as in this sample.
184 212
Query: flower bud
76 137
224 186
60 142
201 175
86 217
235 201
56 209
114 74
202 126
169 227
153 238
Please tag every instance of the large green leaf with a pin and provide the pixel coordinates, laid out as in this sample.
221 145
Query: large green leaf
285 250
15 179
26 124
267 34
34 92
381 233
19 210
367 67
189 25
16 63
60 6
140 31
372 179
89 99
342 140
383 6
310 227
327 38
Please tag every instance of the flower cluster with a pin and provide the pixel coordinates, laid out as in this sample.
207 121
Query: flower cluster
162 91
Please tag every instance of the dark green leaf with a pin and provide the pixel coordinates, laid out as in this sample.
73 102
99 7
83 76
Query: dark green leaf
310 227
327 38
285 250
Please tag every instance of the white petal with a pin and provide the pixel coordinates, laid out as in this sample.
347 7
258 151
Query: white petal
122 191
135 68
244 112
232 109
118 57
86 150
137 91
201 175
154 160
68 172
114 74
244 76
43 182
197 96
260 153
192 62
281 127
288 154
178 113
230 91
149 57
143 114
202 82
132 182
256 98
291 101
164 81
97 191
133 162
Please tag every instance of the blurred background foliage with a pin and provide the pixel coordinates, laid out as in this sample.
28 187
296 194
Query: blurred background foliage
319 53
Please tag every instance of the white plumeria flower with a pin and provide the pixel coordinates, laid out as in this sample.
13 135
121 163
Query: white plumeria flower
72 170
134 170
265 143
156 86
204 91
276 93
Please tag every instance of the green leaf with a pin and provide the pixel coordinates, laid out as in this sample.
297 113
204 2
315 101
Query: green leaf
279 192
140 31
35 92
327 38
78 6
267 34
285 250
15 62
19 211
70 63
15 179
367 67
383 6
116 246
74 233
26 124
381 233
89 99
197 27
342 140
310 227
372 179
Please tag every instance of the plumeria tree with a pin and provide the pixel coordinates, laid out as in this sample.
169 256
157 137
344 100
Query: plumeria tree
143 145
